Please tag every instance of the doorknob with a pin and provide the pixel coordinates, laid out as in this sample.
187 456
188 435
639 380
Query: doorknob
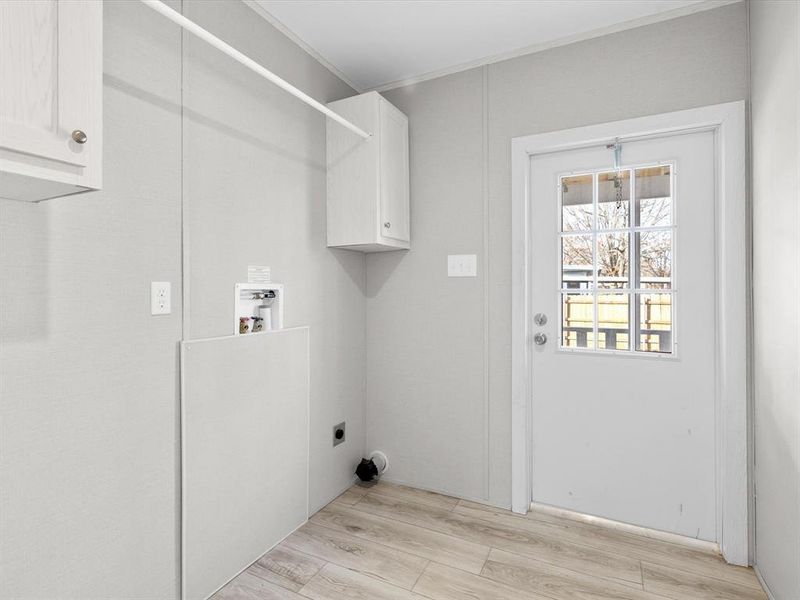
540 319
540 339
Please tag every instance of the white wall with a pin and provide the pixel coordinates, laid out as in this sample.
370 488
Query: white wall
439 360
775 85
89 504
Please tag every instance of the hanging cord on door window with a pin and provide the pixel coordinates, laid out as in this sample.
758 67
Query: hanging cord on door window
617 147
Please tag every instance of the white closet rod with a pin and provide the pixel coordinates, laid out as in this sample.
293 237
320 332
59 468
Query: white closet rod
248 62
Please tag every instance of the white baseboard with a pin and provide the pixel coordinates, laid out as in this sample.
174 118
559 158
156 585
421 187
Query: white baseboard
763 583
442 491
312 510
267 551
655 534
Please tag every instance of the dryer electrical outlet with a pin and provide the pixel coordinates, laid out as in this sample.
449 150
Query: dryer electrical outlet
339 433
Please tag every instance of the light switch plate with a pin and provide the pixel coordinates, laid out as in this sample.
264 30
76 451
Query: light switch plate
462 265
160 297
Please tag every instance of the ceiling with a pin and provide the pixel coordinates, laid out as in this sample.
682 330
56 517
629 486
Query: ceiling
375 44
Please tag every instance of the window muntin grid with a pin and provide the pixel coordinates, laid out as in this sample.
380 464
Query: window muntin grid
616 260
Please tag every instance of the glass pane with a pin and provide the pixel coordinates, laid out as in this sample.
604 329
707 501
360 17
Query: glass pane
655 323
612 260
613 319
577 211
654 196
655 259
613 199
577 317
576 262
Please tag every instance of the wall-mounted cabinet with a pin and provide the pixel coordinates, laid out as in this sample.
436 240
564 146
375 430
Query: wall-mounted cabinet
368 195
51 76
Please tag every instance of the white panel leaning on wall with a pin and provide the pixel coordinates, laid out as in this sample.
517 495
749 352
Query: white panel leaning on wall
245 471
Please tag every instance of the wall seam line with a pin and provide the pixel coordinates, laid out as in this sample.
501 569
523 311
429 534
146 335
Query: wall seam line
485 200
184 326
365 377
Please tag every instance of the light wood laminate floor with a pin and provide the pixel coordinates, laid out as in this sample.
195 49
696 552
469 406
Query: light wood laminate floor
391 542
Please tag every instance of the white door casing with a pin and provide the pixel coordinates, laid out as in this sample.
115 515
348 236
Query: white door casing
726 124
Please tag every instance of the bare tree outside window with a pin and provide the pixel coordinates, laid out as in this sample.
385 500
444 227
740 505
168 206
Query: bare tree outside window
655 258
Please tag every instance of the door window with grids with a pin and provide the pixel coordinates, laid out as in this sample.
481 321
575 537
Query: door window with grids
617 237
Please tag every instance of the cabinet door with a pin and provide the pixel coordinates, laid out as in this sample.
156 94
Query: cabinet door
51 74
394 202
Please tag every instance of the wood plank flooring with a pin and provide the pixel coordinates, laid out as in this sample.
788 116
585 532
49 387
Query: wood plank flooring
391 542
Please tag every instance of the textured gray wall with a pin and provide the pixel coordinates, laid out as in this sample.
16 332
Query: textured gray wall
88 379
775 43
439 374
254 194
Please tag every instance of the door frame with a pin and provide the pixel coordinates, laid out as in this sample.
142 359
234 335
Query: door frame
733 475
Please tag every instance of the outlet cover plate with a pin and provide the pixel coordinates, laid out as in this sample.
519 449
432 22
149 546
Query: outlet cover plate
343 427
160 297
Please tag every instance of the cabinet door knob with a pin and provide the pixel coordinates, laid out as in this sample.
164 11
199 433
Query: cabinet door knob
387 225
79 136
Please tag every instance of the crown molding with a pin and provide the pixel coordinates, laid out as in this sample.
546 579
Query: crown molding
532 49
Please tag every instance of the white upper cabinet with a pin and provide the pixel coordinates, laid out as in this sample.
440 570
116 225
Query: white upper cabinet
51 98
368 196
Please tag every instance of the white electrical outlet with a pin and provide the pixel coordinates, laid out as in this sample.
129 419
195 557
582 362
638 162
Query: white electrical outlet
462 265
160 298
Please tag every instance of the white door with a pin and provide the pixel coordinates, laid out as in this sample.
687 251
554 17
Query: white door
623 271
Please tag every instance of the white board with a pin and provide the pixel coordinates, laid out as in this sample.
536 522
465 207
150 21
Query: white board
244 451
